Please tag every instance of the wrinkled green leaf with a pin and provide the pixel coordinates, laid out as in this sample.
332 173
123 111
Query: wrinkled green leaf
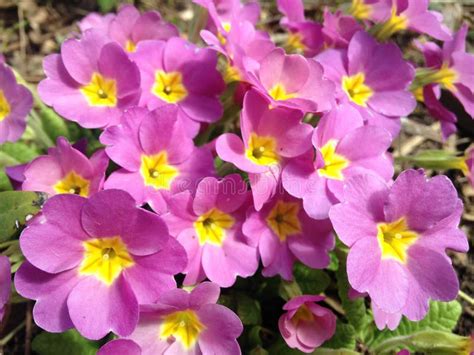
17 153
344 337
356 311
70 342
442 316
15 207
4 182
249 310
53 124
311 281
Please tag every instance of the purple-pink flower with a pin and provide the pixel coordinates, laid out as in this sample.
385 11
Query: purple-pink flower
450 68
306 325
430 97
65 170
96 21
91 262
91 82
305 37
188 323
129 27
157 156
120 346
398 236
398 15
338 29
372 77
243 48
231 31
284 233
340 152
179 73
292 81
15 104
209 226
269 137
5 284
225 14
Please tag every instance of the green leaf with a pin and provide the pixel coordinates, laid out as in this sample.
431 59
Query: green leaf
344 337
428 342
258 351
437 159
106 5
4 182
440 343
54 125
324 351
289 289
334 263
281 348
70 342
356 311
16 153
249 310
15 207
311 281
442 316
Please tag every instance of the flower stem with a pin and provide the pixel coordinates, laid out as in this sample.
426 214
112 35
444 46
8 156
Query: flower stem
10 335
466 297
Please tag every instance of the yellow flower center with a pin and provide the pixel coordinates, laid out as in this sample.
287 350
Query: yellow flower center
446 77
156 171
4 106
231 73
360 10
278 93
221 37
394 24
227 26
283 219
294 43
262 150
334 164
303 314
418 93
73 183
130 46
395 238
100 92
355 88
169 86
211 227
105 258
184 326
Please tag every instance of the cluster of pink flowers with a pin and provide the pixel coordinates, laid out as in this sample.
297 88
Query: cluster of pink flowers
99 260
